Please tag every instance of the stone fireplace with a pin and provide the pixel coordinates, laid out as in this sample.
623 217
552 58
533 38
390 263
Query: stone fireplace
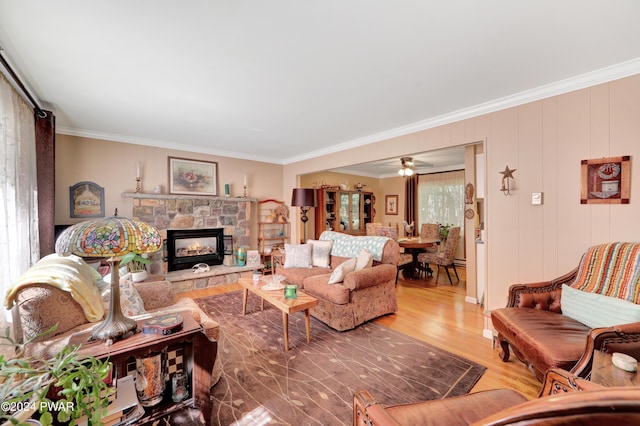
186 212
188 247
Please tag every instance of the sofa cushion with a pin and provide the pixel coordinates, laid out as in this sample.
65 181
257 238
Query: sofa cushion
364 260
321 253
131 303
548 339
318 287
338 274
597 310
298 256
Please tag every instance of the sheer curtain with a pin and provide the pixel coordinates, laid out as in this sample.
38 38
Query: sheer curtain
441 200
19 246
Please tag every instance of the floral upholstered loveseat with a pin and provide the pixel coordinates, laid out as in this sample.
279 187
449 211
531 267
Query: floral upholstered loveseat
360 295
65 291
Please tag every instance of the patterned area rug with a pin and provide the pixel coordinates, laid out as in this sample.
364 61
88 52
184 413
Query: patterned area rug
313 383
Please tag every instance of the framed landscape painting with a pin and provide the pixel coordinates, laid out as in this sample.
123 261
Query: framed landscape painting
192 177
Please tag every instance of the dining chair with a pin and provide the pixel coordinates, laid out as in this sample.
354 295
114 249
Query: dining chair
430 230
445 258
391 232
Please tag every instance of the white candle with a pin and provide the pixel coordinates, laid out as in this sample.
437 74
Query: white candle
137 169
245 180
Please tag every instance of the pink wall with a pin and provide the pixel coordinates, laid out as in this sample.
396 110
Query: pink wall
545 141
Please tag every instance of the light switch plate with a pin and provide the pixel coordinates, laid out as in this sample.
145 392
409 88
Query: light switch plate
536 198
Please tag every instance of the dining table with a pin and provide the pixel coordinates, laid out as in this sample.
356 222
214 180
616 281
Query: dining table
415 246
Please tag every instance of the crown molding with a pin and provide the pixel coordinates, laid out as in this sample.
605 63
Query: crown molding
603 75
162 144
582 81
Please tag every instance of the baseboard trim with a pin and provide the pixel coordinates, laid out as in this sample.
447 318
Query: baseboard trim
470 299
487 334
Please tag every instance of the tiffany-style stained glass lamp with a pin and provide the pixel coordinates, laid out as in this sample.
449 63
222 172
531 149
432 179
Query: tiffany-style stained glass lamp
110 237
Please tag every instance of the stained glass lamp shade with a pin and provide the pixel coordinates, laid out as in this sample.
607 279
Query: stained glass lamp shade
110 237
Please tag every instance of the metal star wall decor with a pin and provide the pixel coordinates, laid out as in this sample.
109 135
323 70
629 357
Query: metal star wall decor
506 187
508 173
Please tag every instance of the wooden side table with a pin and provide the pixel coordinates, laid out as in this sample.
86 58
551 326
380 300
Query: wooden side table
604 373
199 354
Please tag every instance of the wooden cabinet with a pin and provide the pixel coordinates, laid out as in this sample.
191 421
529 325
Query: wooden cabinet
273 232
344 211
190 345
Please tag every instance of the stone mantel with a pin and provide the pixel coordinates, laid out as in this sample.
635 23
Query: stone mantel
185 197
177 211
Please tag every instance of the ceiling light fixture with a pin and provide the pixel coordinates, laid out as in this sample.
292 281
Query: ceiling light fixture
407 166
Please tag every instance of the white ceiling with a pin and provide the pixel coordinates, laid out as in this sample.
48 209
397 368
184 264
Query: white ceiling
284 80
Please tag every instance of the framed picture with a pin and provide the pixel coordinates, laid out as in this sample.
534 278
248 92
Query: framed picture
192 177
253 258
605 180
391 204
86 199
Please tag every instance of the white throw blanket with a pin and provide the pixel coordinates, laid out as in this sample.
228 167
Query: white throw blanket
345 245
69 273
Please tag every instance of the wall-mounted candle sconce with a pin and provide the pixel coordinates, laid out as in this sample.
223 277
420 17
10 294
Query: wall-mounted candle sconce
506 185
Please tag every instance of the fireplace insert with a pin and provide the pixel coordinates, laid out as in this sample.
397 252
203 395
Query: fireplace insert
188 247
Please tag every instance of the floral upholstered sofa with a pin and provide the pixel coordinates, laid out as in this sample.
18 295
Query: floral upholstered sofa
347 296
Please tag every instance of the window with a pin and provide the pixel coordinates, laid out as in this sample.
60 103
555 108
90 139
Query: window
441 200
19 247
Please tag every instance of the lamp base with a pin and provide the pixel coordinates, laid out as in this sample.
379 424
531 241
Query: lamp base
113 329
116 326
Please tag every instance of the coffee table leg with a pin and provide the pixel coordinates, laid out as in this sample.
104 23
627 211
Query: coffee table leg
307 324
244 300
285 324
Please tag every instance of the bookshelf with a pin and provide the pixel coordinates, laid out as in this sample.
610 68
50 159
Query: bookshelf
273 232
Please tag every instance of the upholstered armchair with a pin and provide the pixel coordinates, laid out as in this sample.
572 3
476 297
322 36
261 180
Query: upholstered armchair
592 405
444 258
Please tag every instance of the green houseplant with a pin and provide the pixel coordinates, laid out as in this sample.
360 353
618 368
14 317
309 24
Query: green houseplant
69 385
443 230
136 263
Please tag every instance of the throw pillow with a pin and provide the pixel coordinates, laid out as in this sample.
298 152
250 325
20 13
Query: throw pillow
321 253
597 310
130 301
298 256
338 274
364 260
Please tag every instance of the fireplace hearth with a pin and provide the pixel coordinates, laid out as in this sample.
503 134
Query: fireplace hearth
188 247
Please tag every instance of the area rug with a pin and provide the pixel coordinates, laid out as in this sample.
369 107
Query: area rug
313 383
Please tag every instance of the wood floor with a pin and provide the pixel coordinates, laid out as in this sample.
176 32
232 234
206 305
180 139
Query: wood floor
432 310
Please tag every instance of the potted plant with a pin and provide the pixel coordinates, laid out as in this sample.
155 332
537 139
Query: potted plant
443 230
136 263
69 385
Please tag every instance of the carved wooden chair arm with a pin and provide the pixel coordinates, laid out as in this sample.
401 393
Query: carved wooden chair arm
368 412
624 338
527 294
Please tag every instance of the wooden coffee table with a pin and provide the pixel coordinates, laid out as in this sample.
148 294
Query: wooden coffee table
287 306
